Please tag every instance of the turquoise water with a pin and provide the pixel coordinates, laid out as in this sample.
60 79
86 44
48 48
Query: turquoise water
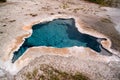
59 33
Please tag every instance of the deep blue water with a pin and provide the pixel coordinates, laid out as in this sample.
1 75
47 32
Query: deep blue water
59 33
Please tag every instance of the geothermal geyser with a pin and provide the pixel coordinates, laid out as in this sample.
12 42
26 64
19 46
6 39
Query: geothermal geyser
59 33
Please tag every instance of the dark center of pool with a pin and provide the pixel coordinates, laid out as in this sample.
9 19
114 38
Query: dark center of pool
59 33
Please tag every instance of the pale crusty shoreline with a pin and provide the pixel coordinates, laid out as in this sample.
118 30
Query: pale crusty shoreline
90 16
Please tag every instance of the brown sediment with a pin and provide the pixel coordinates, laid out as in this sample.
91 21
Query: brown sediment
17 44
46 50
106 44
19 40
29 27
26 28
61 51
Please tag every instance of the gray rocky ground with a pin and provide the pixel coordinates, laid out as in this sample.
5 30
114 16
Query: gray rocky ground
15 14
93 70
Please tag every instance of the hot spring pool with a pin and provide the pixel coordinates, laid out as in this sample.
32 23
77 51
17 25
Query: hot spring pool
59 33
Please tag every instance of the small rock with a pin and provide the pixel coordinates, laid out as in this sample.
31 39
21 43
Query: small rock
51 13
1 32
4 25
12 20
59 12
33 15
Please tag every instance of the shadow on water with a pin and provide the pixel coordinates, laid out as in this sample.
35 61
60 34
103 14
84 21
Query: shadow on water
59 33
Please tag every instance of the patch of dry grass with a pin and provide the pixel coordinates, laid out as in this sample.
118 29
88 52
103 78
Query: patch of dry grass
102 2
50 73
106 20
